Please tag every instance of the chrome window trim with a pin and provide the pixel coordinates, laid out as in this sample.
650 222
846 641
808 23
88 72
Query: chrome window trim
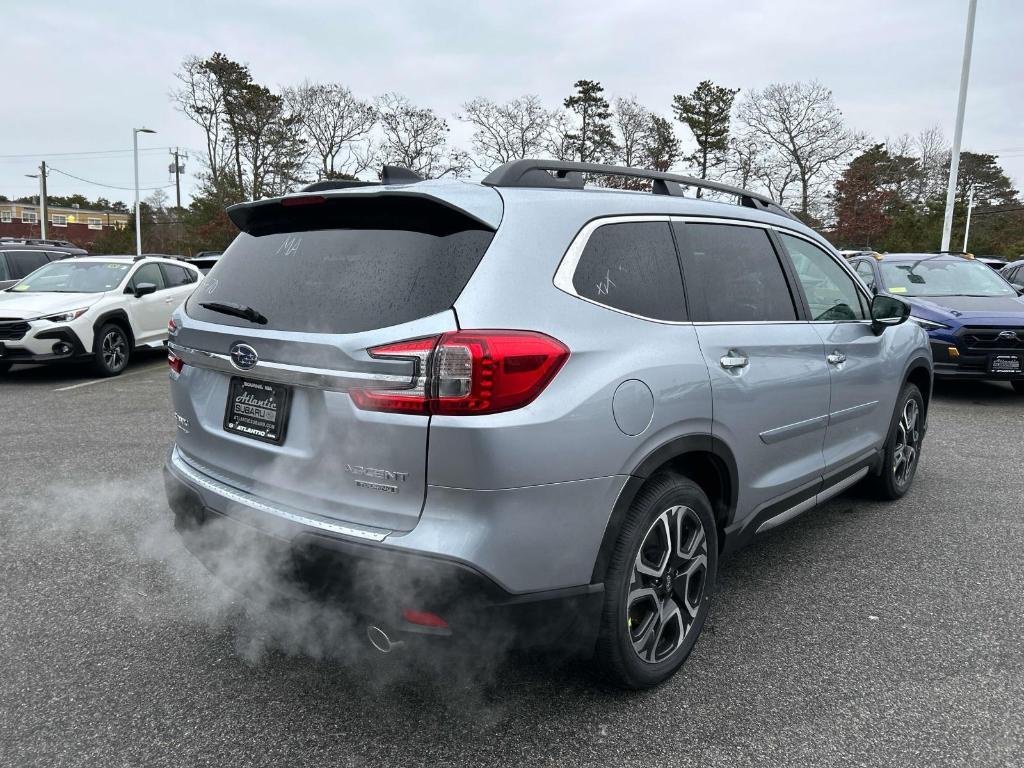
570 261
294 375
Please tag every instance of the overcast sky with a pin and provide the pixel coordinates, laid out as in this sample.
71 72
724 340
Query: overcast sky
81 75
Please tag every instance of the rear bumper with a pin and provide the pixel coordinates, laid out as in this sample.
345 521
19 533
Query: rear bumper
375 584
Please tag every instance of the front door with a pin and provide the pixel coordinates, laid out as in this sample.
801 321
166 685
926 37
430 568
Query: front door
149 313
769 378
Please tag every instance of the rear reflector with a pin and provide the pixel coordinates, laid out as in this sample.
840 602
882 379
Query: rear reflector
468 373
424 618
175 362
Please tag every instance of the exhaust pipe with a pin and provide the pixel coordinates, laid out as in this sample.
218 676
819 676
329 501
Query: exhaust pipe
379 639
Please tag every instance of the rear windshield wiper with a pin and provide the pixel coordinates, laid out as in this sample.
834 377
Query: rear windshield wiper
236 310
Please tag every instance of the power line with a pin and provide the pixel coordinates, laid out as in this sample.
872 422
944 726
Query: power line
31 155
101 184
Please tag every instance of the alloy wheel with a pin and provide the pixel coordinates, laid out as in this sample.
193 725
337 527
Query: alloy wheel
908 440
113 350
667 583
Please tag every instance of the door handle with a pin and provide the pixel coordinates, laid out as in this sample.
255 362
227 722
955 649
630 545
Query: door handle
836 358
733 359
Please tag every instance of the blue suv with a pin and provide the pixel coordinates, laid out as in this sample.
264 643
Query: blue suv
973 316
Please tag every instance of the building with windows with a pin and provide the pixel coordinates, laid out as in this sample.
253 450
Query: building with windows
79 225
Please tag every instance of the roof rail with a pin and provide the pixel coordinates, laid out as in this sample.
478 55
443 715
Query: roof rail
396 174
37 241
320 186
569 175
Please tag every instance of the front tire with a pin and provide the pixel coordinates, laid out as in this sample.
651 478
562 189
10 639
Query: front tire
111 350
659 583
903 448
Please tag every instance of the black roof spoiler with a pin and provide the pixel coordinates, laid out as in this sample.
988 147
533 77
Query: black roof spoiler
564 174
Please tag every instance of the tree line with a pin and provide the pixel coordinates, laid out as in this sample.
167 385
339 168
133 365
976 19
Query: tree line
788 140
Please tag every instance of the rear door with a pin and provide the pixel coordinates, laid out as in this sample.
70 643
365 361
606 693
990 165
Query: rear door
863 391
769 380
330 280
180 281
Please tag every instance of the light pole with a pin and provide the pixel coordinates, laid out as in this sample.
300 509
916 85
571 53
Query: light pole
954 161
138 217
970 209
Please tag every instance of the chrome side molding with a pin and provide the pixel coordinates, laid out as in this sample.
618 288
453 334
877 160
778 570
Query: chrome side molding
821 497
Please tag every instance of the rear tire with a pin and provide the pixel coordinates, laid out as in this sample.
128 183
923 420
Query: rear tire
1018 386
903 448
111 350
659 583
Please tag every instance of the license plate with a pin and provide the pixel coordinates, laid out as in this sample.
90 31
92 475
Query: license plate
257 410
1005 364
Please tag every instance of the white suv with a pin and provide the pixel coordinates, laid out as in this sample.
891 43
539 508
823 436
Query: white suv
94 307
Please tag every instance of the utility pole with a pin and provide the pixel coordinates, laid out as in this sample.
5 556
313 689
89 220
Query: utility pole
42 199
970 207
177 168
954 162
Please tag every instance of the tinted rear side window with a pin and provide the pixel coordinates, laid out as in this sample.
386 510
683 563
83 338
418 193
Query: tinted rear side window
633 267
22 263
176 276
736 273
399 268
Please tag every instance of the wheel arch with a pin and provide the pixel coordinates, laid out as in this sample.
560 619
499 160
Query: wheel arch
919 373
704 459
118 317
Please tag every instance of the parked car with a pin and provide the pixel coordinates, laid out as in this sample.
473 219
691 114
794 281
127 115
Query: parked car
20 256
95 308
973 316
519 403
1014 274
995 262
204 260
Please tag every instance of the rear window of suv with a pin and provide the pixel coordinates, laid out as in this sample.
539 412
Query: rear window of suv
388 267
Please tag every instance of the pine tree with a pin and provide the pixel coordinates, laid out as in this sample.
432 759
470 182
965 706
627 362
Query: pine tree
706 111
593 141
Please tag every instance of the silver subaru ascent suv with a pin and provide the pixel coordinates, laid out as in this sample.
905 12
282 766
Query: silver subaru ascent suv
527 404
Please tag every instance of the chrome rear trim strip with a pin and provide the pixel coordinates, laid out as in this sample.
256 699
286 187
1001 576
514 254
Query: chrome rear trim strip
246 500
295 375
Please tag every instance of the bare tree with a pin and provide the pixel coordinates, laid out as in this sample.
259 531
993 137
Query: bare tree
201 99
631 122
559 142
416 138
503 132
337 125
934 155
804 134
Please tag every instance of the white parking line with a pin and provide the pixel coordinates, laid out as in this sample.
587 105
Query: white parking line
112 378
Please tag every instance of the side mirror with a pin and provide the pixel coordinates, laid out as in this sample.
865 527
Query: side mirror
887 311
144 289
1018 288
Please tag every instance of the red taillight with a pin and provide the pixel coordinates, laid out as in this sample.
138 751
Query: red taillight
424 618
172 327
467 373
412 399
175 362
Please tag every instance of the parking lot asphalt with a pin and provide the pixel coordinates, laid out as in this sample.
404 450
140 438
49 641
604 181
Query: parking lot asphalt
861 634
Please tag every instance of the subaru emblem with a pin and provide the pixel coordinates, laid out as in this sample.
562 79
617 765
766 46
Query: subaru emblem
243 357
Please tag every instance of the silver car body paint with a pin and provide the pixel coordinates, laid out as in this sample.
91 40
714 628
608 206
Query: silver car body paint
525 496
